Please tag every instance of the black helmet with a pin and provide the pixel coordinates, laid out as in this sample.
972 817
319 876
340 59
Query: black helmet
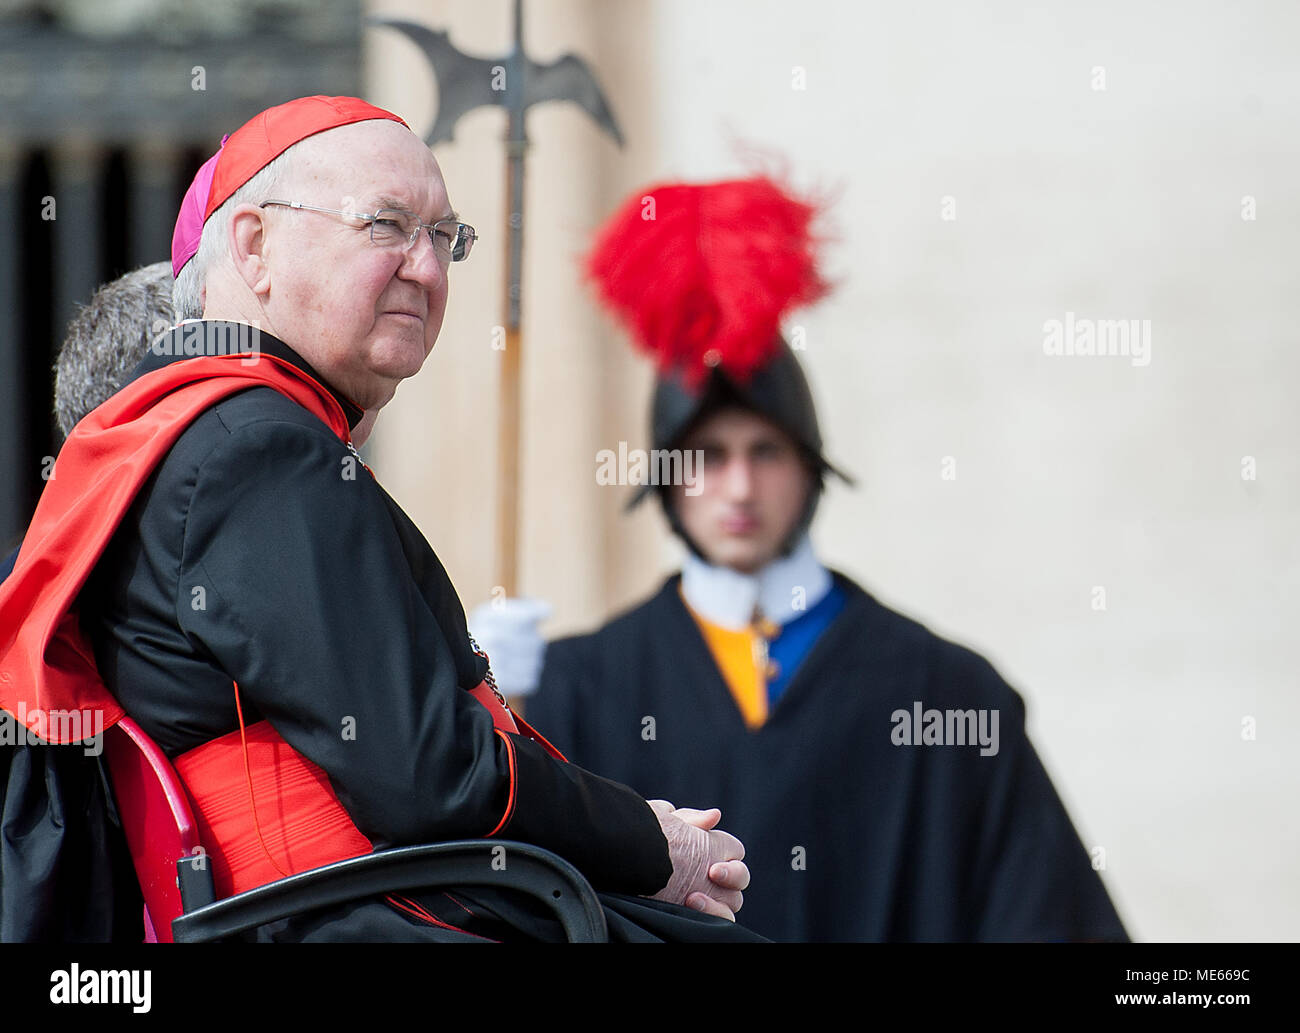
702 274
777 391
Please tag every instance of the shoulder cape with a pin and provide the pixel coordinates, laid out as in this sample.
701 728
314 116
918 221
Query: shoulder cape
46 663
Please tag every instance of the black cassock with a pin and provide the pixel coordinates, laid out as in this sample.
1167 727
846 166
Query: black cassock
847 835
261 552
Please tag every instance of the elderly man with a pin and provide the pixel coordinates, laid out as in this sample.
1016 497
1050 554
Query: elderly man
261 590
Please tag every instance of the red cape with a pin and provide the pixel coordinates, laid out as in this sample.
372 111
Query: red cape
46 662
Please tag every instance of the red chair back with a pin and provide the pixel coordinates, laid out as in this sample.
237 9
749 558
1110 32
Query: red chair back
156 817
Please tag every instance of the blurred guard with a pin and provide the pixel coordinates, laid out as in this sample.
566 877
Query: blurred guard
774 688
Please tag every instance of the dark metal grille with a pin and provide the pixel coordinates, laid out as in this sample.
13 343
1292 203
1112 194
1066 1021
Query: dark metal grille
110 126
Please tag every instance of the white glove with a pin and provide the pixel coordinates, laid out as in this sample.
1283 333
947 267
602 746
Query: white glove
506 629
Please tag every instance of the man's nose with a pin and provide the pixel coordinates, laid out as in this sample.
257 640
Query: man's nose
420 263
738 478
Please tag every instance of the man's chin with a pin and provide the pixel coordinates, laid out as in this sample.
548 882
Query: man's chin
395 364
745 557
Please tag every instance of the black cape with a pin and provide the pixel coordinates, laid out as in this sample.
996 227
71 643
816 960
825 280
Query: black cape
65 874
847 836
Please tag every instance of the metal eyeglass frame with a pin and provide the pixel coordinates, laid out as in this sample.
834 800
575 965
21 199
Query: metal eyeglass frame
457 251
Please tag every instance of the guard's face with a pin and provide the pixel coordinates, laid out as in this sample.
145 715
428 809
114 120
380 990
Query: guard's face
753 489
364 316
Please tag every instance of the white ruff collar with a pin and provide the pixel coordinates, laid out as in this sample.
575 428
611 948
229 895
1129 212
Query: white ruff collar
786 588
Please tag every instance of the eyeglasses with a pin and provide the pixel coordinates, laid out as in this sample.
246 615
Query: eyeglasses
394 228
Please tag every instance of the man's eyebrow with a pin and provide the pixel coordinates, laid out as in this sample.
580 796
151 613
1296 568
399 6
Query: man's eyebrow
384 201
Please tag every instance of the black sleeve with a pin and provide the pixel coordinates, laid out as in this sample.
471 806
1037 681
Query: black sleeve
308 603
557 805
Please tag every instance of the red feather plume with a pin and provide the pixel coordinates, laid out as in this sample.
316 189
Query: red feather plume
702 274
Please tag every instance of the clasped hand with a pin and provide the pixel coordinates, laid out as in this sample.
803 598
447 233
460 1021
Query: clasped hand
709 871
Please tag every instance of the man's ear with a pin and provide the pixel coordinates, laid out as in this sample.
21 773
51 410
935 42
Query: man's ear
248 247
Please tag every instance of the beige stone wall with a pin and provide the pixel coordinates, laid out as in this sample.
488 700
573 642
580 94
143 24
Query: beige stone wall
581 388
1098 160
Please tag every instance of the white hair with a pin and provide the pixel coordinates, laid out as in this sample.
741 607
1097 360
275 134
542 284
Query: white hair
187 292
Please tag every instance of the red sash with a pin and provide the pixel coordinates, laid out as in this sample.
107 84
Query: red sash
265 811
289 821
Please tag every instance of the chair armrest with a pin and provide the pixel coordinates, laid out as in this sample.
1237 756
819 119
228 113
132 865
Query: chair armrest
523 867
